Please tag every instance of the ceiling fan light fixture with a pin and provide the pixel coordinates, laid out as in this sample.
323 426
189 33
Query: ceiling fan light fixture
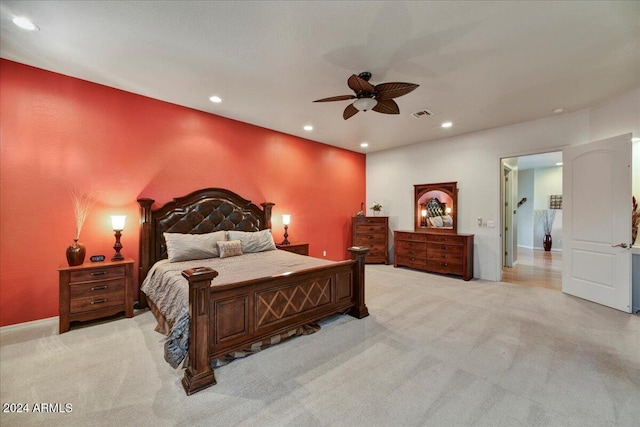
25 23
364 104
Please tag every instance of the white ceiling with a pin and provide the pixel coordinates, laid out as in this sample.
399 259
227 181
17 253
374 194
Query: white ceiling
478 64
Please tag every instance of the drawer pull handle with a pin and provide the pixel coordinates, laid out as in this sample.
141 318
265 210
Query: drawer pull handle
444 256
444 264
445 247
99 301
99 288
412 252
98 273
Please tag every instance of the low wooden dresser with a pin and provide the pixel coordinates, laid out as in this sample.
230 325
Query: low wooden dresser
372 232
95 290
296 248
435 252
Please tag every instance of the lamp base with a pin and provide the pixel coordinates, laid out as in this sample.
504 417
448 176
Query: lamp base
118 256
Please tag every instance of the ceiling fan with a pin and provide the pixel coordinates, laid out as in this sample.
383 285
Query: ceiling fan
369 97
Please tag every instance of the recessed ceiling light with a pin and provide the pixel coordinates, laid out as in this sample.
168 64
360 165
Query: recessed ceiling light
446 124
364 144
25 23
558 110
559 164
215 99
308 128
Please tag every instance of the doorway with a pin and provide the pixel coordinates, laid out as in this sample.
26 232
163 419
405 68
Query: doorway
532 208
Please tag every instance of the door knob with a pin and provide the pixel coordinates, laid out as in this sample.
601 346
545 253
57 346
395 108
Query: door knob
621 245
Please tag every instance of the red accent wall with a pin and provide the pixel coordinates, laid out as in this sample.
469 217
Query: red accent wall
58 133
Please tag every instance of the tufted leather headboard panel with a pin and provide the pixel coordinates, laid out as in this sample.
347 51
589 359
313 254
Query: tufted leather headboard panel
202 211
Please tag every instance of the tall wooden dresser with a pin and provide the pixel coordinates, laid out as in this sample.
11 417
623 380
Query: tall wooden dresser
372 232
435 252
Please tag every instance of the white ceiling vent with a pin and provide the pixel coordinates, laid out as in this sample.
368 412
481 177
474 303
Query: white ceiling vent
421 114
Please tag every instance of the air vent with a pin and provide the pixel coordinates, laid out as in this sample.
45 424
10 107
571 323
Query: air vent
421 114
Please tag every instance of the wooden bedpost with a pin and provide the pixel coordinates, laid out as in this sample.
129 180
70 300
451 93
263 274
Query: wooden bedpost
198 374
360 309
145 247
267 206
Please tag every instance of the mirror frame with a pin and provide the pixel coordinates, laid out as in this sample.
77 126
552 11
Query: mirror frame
451 190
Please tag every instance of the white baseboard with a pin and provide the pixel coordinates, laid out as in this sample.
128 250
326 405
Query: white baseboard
49 321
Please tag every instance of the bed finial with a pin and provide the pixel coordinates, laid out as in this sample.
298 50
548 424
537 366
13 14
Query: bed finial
267 206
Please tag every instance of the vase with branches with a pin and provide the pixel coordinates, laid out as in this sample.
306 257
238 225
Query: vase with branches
545 218
82 204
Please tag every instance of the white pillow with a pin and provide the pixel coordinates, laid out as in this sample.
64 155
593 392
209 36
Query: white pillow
257 241
229 248
447 221
185 247
436 221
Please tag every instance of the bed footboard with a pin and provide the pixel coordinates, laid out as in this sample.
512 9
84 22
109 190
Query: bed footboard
231 317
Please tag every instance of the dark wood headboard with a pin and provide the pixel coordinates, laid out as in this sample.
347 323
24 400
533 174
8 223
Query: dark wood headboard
202 211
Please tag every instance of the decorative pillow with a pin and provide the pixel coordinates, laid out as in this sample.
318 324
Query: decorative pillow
229 248
257 241
447 221
185 247
436 221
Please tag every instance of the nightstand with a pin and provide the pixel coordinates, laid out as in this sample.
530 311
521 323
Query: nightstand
296 248
95 290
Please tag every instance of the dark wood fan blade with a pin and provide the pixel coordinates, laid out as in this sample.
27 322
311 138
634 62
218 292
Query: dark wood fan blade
388 106
386 91
349 111
358 84
336 98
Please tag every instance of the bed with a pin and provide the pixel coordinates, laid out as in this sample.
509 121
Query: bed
229 313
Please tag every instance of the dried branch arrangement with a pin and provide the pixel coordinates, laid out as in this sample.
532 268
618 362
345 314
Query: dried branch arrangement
82 204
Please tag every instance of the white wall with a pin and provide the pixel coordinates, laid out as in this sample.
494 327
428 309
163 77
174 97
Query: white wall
473 161
525 215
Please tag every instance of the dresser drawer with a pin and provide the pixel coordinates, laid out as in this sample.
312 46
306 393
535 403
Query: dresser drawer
369 220
445 238
102 287
418 262
97 302
446 267
445 256
376 256
416 237
439 249
371 228
369 239
404 246
103 273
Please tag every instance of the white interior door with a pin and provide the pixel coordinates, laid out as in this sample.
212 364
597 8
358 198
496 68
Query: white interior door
597 222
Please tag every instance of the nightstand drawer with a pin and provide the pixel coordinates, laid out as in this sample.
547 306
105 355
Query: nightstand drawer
97 289
301 250
97 302
103 273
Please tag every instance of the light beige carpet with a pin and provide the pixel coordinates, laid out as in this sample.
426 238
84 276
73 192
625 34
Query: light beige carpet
435 351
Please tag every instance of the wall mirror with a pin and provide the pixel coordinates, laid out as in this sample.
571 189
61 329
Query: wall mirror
436 207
